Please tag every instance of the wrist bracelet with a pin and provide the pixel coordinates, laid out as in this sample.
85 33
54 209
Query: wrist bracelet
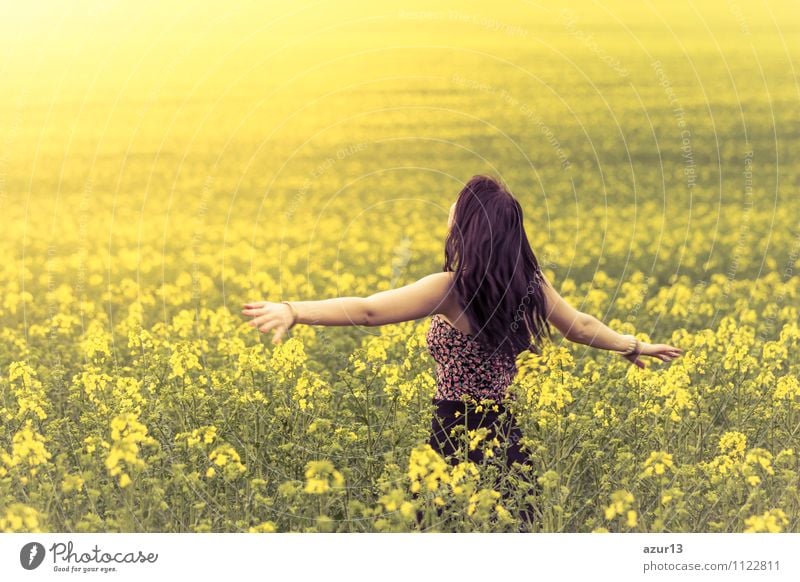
294 313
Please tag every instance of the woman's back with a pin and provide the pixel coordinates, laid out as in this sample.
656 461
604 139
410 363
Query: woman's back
464 367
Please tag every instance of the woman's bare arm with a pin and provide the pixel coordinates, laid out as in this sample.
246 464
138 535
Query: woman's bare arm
427 296
413 301
580 327
586 329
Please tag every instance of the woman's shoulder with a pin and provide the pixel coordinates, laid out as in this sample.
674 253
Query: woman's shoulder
441 277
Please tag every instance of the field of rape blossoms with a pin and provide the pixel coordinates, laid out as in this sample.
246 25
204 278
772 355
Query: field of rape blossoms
158 169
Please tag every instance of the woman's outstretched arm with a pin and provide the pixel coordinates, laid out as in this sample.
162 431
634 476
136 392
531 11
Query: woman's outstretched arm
586 329
427 296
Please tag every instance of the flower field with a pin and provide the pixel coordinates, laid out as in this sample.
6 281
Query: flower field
150 188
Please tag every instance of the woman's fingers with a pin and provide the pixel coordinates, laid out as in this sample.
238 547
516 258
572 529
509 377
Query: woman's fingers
254 307
276 337
663 352
268 325
259 321
634 359
262 321
666 352
670 355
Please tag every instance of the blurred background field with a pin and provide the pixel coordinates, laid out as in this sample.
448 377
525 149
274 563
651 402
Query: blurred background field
160 165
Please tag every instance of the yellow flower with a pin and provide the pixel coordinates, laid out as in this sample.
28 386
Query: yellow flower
318 475
670 494
427 465
554 394
182 360
307 387
92 441
127 433
631 518
28 390
392 500
760 457
96 344
604 411
657 463
549 479
491 446
503 514
482 501
772 521
226 457
621 501
20 518
788 387
408 510
732 443
785 456
464 471
546 380
28 449
19 370
376 351
71 483
205 434
476 436
287 358
248 360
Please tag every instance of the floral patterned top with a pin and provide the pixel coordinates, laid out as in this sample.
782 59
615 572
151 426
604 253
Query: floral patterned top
463 367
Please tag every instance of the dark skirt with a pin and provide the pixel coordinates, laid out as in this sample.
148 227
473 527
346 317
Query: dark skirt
505 429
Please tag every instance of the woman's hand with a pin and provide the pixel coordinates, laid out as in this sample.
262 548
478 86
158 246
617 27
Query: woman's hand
663 352
268 315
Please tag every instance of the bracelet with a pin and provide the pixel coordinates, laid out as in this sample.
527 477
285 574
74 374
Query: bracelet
633 346
294 313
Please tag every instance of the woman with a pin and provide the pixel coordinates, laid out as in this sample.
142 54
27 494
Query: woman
490 302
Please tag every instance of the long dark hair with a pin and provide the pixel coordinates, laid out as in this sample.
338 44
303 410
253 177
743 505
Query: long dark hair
497 278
